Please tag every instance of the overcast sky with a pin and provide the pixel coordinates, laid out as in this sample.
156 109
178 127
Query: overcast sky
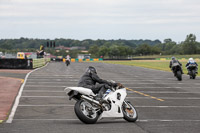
100 19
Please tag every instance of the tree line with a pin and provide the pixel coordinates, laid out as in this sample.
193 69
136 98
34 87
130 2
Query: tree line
168 47
106 48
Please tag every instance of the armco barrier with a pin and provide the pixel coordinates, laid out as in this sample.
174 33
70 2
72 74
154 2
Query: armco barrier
72 60
16 63
40 62
81 60
176 58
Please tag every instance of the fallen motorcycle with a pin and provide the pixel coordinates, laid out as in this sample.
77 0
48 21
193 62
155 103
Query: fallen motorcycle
114 105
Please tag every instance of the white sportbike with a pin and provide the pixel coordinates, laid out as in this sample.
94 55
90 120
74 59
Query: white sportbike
114 105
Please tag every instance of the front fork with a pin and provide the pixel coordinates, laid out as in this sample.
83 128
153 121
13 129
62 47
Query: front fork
126 103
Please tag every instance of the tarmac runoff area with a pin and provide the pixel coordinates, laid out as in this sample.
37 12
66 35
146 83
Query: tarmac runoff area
10 82
164 104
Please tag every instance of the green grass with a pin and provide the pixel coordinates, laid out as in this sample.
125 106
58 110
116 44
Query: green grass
152 64
169 56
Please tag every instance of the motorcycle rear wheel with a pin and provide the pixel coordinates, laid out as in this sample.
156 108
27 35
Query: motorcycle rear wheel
179 75
130 113
85 112
67 63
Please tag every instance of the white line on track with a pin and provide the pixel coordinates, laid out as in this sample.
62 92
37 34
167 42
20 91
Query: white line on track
47 96
14 108
62 80
161 83
69 105
46 119
129 92
154 87
36 86
42 75
140 120
157 120
52 105
76 80
177 98
143 78
167 106
54 82
126 80
36 78
164 92
39 91
146 87
156 83
184 98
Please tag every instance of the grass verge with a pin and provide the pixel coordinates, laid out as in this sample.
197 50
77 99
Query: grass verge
152 64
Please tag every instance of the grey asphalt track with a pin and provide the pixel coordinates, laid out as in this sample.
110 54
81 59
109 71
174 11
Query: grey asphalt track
13 75
164 104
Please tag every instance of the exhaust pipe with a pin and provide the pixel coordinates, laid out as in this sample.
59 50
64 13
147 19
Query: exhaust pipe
91 100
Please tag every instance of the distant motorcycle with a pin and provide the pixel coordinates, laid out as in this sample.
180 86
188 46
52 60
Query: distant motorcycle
67 62
177 71
192 71
114 105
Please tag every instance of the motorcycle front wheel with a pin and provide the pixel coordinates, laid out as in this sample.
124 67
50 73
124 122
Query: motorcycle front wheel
129 111
85 112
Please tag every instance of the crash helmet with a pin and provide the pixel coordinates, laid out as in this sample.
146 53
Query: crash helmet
191 60
91 69
173 58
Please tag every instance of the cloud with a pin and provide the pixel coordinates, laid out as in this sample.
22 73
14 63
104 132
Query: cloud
131 14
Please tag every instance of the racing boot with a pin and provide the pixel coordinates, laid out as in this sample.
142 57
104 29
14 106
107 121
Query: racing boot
196 71
99 98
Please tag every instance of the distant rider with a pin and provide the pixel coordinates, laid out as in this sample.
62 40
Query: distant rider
68 59
191 61
90 80
173 63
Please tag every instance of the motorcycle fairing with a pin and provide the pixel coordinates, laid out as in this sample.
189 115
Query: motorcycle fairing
116 103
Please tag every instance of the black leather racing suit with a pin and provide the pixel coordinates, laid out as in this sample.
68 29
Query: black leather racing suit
89 80
171 65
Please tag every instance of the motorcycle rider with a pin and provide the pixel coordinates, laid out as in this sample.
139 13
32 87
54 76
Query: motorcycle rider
191 61
89 80
173 63
68 59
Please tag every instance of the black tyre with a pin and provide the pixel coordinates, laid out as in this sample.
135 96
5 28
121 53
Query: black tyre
179 75
67 63
130 113
85 112
193 74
